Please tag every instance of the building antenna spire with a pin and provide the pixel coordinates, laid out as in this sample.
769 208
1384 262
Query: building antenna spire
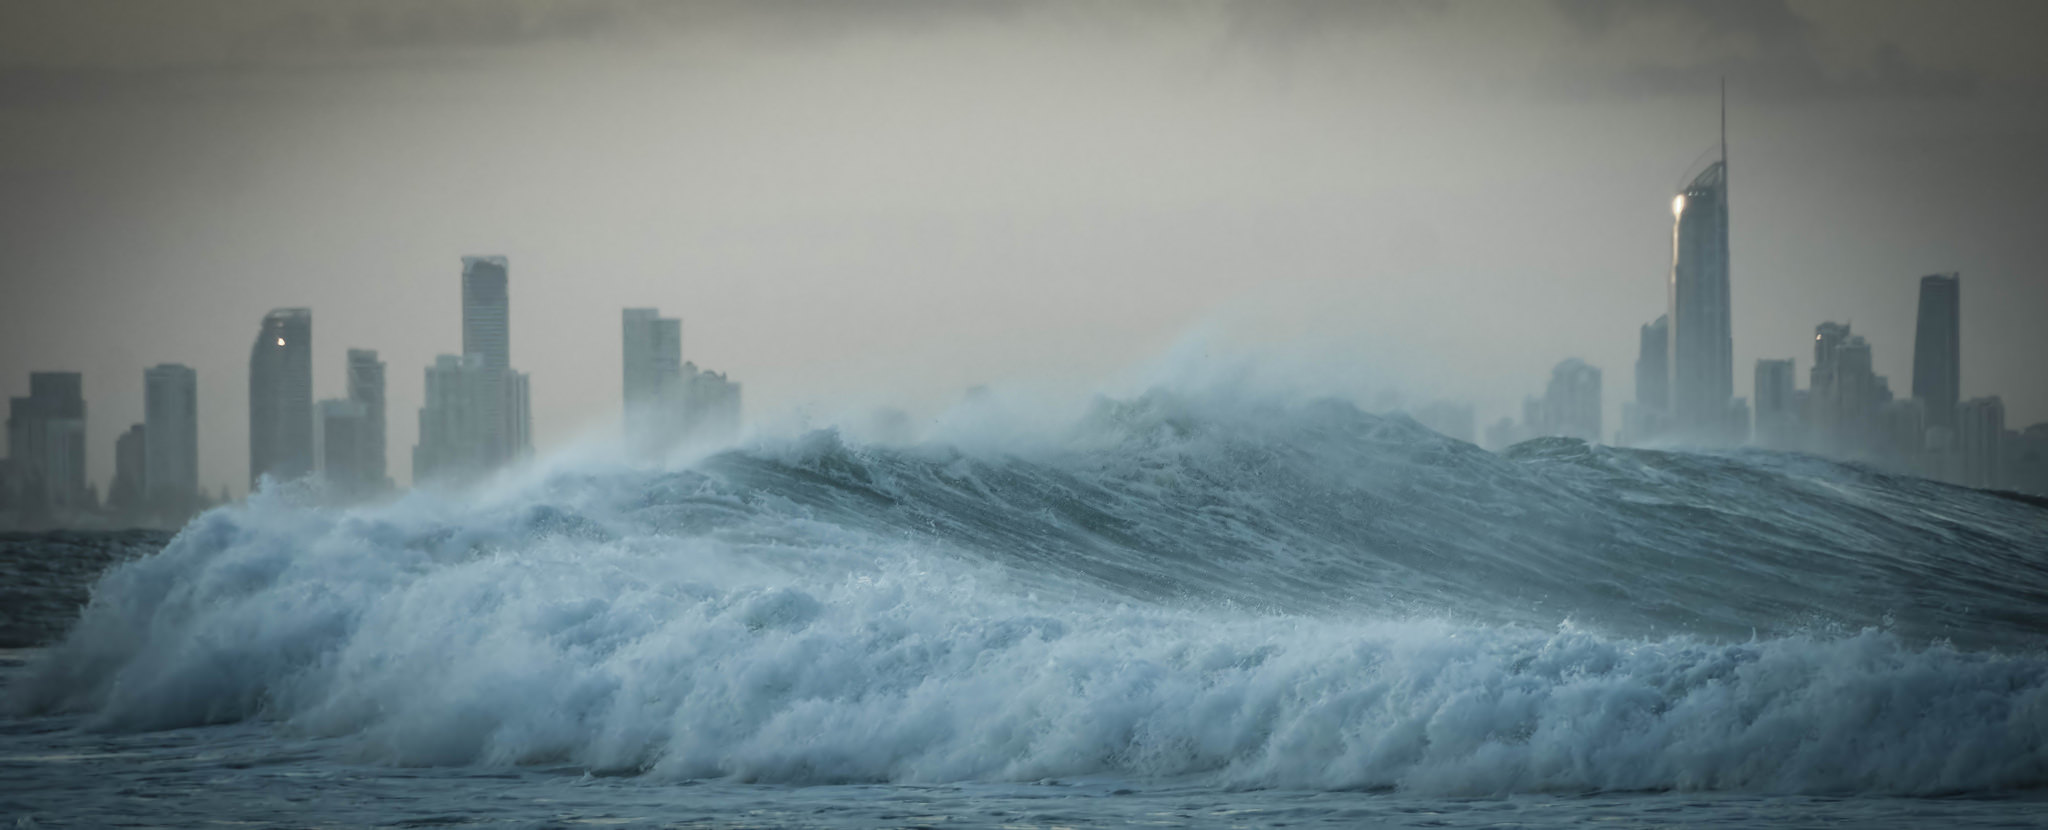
1724 128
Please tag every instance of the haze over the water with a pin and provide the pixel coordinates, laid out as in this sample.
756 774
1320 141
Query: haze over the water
902 201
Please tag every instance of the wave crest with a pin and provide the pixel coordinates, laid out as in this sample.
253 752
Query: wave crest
1272 596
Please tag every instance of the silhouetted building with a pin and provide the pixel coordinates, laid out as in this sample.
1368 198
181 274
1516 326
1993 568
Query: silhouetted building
1901 437
344 449
1702 380
711 405
1777 407
1938 348
478 413
1643 418
46 445
452 434
2027 467
366 388
281 397
1980 436
486 310
471 422
1845 394
124 494
1571 403
653 381
487 336
170 411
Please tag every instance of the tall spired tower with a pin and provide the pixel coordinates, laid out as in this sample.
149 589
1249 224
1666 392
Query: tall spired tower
1702 353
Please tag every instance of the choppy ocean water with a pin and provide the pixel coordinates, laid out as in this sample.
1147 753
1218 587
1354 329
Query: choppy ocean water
1174 611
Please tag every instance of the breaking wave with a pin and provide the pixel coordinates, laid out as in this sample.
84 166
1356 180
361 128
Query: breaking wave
1247 594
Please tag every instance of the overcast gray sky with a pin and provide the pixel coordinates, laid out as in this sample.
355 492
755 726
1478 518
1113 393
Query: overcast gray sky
898 200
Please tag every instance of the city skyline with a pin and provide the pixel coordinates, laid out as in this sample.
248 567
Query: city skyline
856 256
1848 410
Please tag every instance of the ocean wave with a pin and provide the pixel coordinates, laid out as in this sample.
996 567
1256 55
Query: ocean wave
1269 595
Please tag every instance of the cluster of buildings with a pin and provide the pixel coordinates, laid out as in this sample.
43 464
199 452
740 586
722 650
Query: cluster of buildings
670 401
1850 411
1685 381
476 418
156 478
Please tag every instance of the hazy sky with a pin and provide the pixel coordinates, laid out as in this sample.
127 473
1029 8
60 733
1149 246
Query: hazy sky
898 200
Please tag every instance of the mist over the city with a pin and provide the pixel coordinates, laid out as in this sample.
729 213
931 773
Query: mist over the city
966 413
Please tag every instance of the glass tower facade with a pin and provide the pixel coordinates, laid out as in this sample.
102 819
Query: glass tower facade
1702 353
281 396
1938 349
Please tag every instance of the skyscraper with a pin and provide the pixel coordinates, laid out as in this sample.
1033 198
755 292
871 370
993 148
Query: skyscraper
1702 375
517 415
1777 413
711 405
1571 403
281 396
1980 440
366 388
1643 418
1653 364
1938 349
170 413
653 360
486 318
125 492
344 439
486 336
449 427
46 443
1844 392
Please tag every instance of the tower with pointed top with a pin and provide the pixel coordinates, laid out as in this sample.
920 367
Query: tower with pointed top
1702 352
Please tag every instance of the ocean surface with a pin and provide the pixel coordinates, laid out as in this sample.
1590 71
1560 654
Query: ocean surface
1172 610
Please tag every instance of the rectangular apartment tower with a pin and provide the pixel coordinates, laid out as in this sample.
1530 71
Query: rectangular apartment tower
1938 349
281 396
170 414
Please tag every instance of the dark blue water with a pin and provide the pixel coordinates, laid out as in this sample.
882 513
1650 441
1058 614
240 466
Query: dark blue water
1175 610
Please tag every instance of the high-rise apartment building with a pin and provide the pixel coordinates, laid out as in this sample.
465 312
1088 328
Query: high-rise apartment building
652 383
1702 348
451 429
487 336
711 405
170 413
1702 378
1653 364
1938 349
1777 413
478 413
344 448
1644 417
1845 394
125 492
281 397
46 444
1571 403
1980 441
486 310
366 389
